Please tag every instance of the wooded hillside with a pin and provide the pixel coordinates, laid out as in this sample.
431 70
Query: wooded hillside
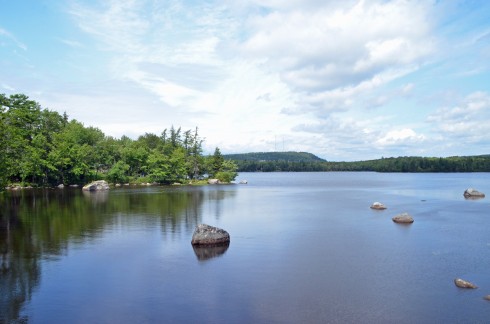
480 163
275 156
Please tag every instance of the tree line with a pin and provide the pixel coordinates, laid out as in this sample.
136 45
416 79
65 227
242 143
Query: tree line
289 156
42 148
398 164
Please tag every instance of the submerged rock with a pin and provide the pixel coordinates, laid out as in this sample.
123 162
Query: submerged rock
209 235
96 186
464 284
473 193
378 205
403 218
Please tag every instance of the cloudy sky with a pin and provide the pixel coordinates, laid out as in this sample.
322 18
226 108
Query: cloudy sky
345 80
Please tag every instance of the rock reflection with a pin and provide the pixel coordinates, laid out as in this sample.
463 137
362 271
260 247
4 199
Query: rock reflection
204 253
96 197
473 198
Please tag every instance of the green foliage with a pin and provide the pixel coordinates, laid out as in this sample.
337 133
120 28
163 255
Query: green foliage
177 168
27 137
221 169
158 166
194 158
118 173
225 177
74 153
43 148
4 167
216 163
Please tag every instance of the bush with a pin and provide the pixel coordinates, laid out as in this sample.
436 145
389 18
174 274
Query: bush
117 174
226 176
140 180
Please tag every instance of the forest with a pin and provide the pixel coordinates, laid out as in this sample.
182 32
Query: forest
301 162
42 148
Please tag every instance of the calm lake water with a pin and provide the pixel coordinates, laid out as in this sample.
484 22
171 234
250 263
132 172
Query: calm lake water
305 248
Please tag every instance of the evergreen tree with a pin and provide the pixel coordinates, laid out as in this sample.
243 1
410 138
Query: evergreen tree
216 162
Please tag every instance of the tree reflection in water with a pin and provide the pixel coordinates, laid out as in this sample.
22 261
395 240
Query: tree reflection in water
19 269
36 225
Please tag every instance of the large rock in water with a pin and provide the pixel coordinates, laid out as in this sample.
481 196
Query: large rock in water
464 284
96 186
472 193
403 218
209 235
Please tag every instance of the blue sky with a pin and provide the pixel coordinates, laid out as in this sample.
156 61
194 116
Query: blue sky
345 80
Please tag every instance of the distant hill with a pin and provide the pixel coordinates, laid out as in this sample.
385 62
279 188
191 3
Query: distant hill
274 156
305 162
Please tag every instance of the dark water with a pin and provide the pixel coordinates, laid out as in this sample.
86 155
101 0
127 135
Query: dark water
305 248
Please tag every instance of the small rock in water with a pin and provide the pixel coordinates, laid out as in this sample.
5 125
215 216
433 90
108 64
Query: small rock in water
487 297
464 284
473 193
403 218
378 205
209 235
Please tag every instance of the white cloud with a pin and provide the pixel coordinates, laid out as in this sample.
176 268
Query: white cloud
245 72
400 137
7 87
71 43
328 48
14 39
342 136
469 120
407 89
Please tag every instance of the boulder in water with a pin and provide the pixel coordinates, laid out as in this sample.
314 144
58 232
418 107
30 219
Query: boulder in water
209 235
403 218
464 284
96 186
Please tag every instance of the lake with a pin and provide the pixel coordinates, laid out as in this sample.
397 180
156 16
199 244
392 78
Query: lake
305 248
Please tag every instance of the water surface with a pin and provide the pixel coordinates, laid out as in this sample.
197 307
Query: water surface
305 247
